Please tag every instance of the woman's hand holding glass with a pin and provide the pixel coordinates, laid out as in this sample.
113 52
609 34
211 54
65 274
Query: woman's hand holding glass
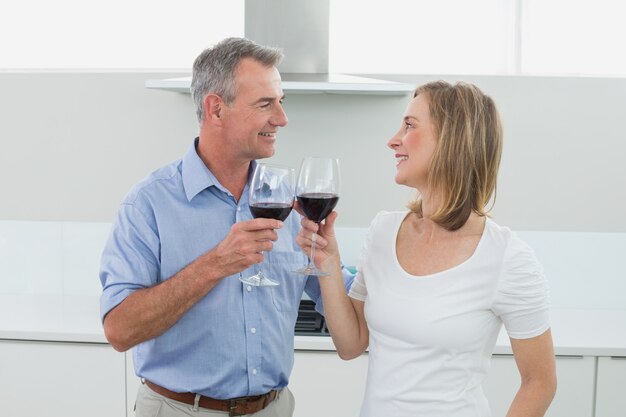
323 233
317 193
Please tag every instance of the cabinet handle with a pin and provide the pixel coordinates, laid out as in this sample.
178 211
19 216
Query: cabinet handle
618 358
569 356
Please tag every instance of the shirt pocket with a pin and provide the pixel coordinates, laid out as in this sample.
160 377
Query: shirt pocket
286 296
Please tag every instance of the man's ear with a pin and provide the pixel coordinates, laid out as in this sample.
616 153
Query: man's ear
213 105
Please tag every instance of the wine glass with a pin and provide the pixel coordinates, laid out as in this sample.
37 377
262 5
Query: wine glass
317 191
270 196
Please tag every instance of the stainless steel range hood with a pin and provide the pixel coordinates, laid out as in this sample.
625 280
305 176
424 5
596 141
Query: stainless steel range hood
300 28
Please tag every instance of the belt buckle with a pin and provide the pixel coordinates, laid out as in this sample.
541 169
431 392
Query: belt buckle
232 405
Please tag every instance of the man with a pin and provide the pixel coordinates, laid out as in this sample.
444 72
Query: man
204 342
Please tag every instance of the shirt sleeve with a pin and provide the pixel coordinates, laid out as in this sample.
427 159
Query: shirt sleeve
130 259
358 290
521 300
313 290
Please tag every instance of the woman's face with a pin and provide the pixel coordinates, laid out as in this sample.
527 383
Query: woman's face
414 144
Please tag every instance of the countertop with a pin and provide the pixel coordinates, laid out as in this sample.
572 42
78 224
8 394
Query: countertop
577 332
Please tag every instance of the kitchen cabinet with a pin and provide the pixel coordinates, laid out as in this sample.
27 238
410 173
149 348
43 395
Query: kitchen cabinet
326 385
611 387
575 391
61 379
501 384
132 384
320 382
55 360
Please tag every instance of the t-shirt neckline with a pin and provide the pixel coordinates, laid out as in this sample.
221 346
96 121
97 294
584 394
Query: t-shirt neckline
440 274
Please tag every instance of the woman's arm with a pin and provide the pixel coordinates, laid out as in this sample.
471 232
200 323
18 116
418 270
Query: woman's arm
344 316
535 361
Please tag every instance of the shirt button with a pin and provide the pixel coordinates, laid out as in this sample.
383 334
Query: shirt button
249 288
254 371
253 330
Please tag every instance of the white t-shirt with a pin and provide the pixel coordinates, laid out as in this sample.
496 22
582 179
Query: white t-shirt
431 337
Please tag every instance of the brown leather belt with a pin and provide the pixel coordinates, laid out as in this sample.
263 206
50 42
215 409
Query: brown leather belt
235 406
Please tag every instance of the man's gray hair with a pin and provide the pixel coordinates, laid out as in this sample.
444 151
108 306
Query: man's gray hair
214 69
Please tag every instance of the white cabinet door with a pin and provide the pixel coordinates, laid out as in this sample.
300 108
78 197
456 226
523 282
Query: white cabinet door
325 385
574 396
575 387
132 384
611 387
61 379
501 384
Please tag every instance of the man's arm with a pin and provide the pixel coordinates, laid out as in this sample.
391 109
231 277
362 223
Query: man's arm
148 312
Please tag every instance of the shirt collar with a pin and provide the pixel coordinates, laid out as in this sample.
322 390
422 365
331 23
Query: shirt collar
197 177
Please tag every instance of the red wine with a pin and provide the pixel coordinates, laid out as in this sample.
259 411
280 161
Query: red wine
317 206
278 211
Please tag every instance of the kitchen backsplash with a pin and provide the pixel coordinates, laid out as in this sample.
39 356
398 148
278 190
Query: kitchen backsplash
585 270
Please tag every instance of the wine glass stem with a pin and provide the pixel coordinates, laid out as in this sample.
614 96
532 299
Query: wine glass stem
312 260
259 271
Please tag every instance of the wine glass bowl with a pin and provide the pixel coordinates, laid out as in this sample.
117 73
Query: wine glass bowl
317 206
317 192
278 211
271 196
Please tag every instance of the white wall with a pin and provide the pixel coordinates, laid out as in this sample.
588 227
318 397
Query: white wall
73 144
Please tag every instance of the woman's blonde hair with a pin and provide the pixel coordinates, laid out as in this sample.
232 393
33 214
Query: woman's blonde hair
464 167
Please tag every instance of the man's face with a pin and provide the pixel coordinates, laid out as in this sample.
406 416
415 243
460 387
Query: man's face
251 122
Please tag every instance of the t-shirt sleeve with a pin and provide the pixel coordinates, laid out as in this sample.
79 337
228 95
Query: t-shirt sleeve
521 300
358 290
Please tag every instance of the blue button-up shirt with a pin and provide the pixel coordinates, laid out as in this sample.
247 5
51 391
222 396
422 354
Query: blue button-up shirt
238 339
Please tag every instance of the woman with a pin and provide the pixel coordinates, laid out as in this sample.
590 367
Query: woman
436 282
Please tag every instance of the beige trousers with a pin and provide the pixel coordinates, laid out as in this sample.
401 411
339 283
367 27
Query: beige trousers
151 404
